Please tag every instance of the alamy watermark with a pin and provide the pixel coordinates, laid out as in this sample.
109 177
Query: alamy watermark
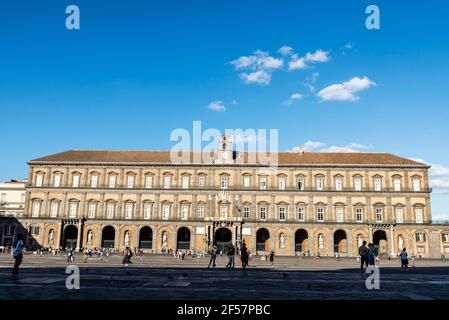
73 280
373 280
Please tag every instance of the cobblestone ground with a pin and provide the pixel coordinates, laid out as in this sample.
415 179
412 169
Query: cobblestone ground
164 277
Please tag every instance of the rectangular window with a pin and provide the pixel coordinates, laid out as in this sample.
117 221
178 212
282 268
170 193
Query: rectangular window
397 184
223 212
319 183
184 212
338 184
379 214
3 197
202 181
129 210
300 183
399 215
339 214
201 211
167 181
282 214
22 198
263 213
281 183
246 181
147 208
359 215
263 183
148 182
416 184
301 214
34 231
165 212
420 237
357 184
54 209
419 215
57 182
94 181
76 181
112 181
92 210
130 181
320 214
73 207
185 182
246 211
36 209
224 182
377 184
39 180
110 208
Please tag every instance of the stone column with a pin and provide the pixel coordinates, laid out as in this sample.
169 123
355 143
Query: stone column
99 234
139 206
310 214
157 213
59 235
45 206
349 244
273 213
371 234
391 241
79 236
291 209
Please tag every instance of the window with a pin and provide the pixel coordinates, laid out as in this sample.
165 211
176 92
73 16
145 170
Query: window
129 210
301 214
57 181
282 213
94 181
224 182
377 184
112 180
110 208
165 212
397 184
379 214
320 214
76 181
148 181
147 208
73 208
223 212
338 183
300 183
339 214
39 179
36 208
357 184
416 184
358 214
263 213
246 181
185 182
263 183
445 237
420 237
22 198
319 183
54 208
281 183
202 181
184 212
130 181
419 215
201 211
3 197
167 181
399 215
246 211
34 231
92 209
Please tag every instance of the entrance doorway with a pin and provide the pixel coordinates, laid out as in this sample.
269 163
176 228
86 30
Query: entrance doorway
108 237
263 240
340 241
183 242
223 239
70 237
301 240
380 243
146 238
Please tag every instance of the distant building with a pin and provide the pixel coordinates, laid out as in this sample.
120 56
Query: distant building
12 204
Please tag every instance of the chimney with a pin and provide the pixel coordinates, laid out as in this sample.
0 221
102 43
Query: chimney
301 150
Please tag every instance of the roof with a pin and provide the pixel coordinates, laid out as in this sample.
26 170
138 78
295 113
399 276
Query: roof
284 158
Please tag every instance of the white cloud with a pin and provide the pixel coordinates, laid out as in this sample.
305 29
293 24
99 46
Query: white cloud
258 77
438 176
296 63
349 45
285 50
316 146
217 106
345 91
310 81
318 56
294 97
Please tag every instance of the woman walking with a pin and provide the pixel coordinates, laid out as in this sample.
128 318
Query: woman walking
17 253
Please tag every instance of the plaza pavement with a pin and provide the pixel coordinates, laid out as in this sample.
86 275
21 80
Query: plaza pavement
164 277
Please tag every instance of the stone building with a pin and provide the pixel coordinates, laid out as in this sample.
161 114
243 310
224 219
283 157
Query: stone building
309 203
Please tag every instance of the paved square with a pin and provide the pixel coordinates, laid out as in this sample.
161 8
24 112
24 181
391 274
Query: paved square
165 277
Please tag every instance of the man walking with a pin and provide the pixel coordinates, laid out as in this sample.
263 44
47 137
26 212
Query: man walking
363 253
17 253
231 256
404 260
213 256
244 256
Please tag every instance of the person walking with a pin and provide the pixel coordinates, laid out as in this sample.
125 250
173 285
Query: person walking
17 253
363 253
213 256
371 255
404 260
244 256
272 258
231 256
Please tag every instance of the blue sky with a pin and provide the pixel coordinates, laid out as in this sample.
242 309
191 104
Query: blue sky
136 70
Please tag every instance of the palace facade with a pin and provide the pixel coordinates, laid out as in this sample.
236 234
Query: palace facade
309 203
